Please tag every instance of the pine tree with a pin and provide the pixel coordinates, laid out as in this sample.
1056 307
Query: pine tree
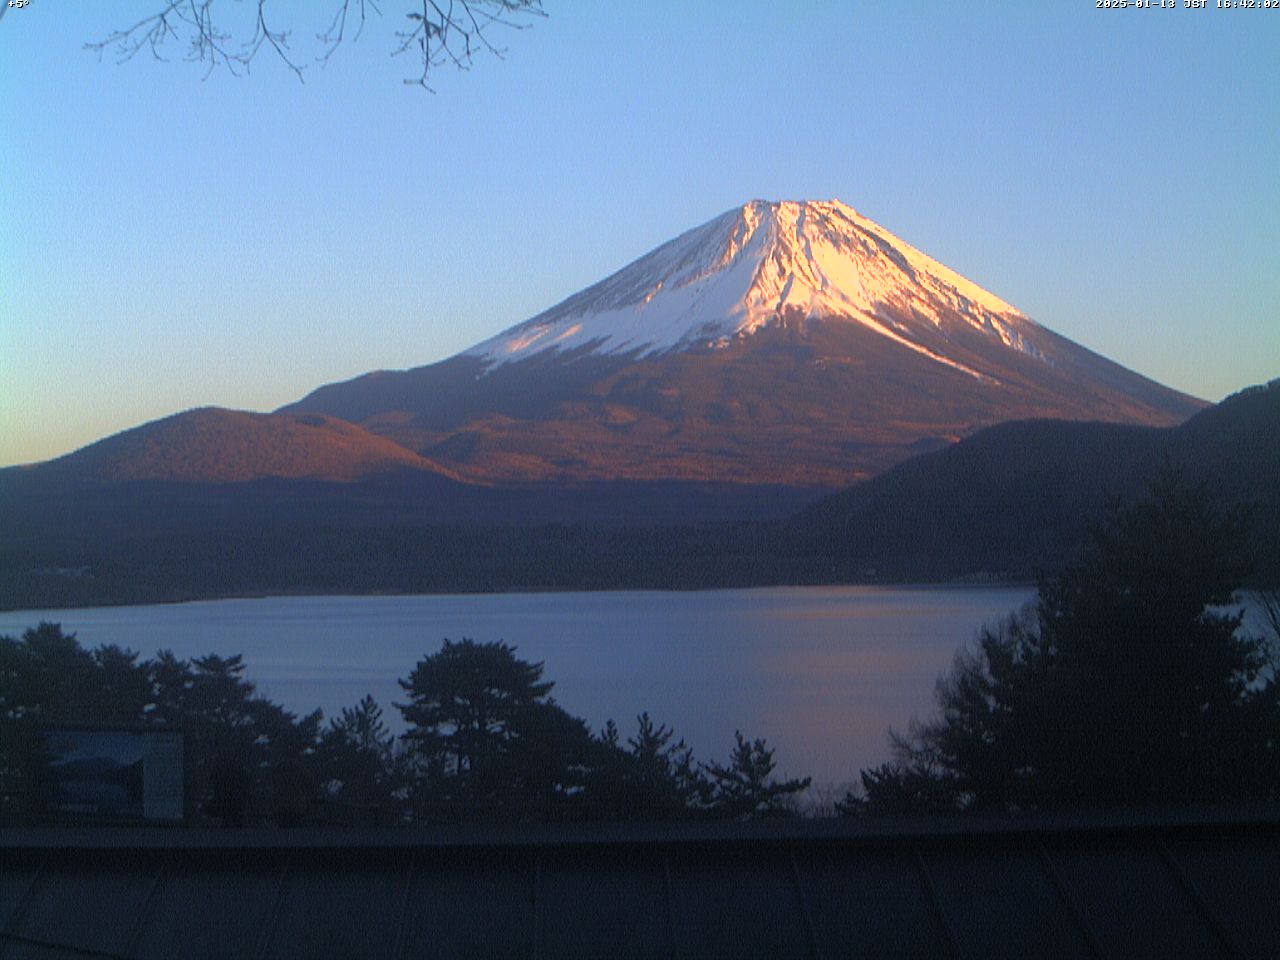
746 787
1130 681
486 739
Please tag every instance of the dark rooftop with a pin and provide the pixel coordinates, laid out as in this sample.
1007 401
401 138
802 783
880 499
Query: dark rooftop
1202 883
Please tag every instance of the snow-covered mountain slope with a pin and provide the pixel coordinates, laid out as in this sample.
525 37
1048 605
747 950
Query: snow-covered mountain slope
796 343
757 265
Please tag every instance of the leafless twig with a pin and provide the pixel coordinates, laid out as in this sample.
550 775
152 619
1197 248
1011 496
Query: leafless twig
449 32
454 32
333 37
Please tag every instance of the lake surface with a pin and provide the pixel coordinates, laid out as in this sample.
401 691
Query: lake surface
820 672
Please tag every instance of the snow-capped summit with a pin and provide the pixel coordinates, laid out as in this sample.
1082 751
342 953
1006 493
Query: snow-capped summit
793 343
767 263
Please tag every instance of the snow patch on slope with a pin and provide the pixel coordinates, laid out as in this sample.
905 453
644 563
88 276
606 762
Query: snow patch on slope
749 267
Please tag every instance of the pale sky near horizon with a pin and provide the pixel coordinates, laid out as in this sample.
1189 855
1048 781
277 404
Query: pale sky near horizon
168 242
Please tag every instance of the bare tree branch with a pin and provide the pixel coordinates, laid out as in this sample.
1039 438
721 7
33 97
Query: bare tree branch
445 33
333 37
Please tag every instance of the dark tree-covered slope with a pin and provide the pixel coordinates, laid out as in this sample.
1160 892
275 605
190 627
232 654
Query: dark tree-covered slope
1016 497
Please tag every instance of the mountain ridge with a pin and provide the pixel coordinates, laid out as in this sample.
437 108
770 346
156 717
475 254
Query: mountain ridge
217 445
789 344
1009 500
793 328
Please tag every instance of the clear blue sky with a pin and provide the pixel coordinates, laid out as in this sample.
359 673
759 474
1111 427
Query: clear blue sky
168 242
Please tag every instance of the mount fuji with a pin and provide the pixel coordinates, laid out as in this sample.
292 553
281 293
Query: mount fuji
794 343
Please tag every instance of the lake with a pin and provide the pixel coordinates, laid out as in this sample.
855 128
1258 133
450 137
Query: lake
820 672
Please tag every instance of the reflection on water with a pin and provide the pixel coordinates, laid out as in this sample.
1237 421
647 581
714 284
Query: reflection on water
820 672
